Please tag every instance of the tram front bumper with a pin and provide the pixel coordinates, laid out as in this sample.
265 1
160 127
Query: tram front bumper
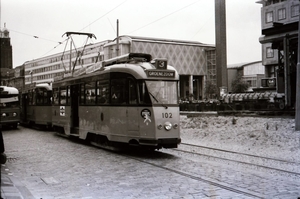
166 143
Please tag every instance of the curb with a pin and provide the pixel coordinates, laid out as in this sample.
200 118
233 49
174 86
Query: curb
11 187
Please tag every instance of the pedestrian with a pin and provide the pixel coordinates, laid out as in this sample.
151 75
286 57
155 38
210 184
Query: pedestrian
3 156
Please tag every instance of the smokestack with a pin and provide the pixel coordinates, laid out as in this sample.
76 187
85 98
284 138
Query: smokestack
221 51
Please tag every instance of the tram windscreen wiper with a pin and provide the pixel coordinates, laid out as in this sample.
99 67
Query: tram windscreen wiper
157 100
153 97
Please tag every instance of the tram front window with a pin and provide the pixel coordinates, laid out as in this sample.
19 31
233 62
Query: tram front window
162 92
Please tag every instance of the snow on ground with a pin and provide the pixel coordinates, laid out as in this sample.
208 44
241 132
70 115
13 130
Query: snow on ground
271 137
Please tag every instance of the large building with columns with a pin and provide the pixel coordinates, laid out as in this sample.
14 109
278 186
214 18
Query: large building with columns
194 61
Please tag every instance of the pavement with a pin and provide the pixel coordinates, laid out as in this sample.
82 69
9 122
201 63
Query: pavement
12 187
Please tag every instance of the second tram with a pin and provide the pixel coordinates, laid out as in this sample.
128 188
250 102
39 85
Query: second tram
9 106
36 105
130 99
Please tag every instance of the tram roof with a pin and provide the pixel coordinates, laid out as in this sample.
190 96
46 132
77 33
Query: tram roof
9 90
139 65
165 41
138 70
44 85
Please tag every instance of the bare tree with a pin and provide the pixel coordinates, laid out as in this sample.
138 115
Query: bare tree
211 90
238 85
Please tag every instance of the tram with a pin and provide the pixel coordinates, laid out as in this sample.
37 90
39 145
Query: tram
127 100
36 105
9 106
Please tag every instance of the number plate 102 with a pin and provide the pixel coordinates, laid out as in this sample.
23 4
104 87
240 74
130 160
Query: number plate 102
166 115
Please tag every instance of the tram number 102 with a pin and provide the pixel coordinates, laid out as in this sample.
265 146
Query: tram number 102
166 115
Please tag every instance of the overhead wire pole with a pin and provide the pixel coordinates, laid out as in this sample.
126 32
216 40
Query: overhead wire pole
297 116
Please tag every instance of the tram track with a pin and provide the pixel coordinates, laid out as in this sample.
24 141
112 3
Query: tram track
266 164
243 113
192 174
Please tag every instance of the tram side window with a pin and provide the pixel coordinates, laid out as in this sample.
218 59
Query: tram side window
119 93
33 98
82 94
90 93
29 97
63 95
47 95
41 96
102 92
68 95
55 96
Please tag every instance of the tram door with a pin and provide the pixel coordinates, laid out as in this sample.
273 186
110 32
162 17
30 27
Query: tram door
124 103
74 109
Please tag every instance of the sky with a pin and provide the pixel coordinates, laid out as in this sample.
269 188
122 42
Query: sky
37 26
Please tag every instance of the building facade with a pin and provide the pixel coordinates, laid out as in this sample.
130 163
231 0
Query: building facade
194 61
252 73
279 27
45 69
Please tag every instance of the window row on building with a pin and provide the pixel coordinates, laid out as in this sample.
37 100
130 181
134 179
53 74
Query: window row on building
281 14
45 71
91 49
270 2
278 14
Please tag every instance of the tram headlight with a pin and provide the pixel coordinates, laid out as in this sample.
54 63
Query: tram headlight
3 114
168 126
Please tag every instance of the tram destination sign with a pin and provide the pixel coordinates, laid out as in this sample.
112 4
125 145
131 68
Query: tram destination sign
160 73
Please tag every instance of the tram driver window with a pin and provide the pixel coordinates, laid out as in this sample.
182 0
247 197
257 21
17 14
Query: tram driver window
119 93
132 92
143 93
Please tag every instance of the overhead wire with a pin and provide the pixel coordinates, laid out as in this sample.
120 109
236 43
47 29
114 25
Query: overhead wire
103 15
34 36
91 23
59 43
202 26
164 16
38 37
111 25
